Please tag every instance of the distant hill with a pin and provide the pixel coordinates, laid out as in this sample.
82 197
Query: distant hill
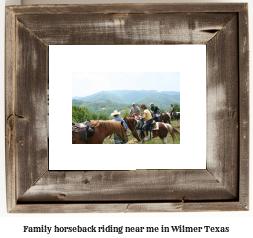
130 96
170 92
108 101
159 99
106 107
101 96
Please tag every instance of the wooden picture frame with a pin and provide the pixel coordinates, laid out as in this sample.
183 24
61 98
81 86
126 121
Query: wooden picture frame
222 186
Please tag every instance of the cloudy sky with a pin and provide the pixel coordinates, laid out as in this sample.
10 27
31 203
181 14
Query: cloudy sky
84 84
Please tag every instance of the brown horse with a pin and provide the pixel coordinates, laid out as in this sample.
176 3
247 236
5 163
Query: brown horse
102 130
176 117
164 130
166 118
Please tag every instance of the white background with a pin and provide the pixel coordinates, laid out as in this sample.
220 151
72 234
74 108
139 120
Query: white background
12 224
64 60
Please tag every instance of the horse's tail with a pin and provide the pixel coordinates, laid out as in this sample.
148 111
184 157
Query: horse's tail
173 131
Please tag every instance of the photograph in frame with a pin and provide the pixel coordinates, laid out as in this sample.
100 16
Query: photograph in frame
123 97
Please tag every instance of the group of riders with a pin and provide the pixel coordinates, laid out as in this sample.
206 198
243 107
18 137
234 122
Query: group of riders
147 117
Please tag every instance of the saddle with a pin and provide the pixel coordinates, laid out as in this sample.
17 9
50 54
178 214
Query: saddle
140 123
85 130
153 126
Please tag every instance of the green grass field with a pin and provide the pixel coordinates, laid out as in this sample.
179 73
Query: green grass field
132 140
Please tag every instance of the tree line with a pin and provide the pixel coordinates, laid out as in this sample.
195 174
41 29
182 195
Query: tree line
107 107
104 107
81 113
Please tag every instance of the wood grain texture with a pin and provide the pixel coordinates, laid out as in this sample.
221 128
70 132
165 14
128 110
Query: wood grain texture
9 108
223 108
186 207
120 29
129 8
129 207
244 106
140 185
30 108
223 186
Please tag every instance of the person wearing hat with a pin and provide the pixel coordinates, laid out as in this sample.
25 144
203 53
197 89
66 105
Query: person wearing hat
134 111
154 109
117 118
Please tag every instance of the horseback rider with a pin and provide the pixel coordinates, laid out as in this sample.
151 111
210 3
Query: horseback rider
117 118
159 112
148 120
155 109
134 111
172 111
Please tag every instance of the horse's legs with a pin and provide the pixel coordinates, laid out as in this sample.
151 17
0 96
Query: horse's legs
163 132
136 135
164 140
155 134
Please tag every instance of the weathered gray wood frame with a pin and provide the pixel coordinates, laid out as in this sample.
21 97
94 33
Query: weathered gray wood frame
223 186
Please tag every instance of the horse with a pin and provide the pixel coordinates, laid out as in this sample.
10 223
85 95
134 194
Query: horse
102 130
166 118
164 130
176 117
155 118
